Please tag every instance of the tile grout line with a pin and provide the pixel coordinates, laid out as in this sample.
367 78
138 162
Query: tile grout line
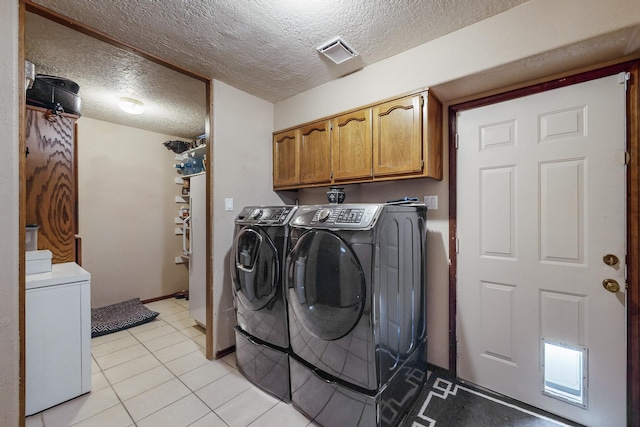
174 375
97 413
135 423
161 364
182 382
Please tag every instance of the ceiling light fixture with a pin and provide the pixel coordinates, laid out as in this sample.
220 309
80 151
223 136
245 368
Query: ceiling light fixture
131 106
337 50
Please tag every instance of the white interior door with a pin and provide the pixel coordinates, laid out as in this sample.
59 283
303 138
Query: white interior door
541 201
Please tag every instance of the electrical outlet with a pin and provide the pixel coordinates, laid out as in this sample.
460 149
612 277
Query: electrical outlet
431 202
228 204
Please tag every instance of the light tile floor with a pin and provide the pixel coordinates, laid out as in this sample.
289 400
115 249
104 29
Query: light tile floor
156 375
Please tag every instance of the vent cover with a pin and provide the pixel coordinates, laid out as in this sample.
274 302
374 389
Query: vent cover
337 50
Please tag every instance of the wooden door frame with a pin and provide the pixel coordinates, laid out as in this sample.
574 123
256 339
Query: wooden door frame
633 214
29 6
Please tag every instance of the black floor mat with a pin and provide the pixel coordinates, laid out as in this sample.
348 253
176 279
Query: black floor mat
446 402
116 317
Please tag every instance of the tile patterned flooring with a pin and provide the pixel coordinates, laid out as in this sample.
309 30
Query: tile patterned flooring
156 375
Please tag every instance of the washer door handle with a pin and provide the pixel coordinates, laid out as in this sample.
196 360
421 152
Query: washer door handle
246 261
299 284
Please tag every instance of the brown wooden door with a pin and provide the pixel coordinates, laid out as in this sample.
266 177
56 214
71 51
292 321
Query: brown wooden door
315 153
50 182
286 167
397 137
351 145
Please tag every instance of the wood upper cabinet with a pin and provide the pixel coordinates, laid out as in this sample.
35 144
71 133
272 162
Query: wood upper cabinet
351 145
50 188
286 164
397 137
315 153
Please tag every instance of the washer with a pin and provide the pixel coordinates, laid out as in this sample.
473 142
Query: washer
257 258
357 312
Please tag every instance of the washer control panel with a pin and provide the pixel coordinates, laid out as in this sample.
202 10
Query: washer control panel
348 216
270 215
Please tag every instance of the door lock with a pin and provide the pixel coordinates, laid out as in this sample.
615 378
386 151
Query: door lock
611 285
610 260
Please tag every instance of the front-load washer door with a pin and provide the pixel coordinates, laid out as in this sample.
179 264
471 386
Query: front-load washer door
330 319
326 285
255 268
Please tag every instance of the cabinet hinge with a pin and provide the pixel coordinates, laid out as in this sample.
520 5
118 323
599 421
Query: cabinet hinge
331 175
422 163
421 101
456 143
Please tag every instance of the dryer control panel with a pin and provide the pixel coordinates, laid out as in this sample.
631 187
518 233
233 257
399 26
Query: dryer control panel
347 216
269 215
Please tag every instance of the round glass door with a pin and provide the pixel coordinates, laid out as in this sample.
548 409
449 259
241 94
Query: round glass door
326 285
256 268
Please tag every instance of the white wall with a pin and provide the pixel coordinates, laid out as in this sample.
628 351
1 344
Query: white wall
9 194
127 210
504 42
242 127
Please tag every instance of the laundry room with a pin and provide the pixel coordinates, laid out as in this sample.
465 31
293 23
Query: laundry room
365 240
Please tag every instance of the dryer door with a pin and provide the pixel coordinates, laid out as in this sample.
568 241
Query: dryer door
255 267
326 285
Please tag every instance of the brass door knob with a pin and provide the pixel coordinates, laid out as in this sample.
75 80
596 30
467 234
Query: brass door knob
611 285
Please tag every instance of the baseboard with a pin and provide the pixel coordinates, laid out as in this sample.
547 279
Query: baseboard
147 301
226 351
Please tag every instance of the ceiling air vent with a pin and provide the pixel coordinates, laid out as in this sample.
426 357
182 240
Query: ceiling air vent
337 50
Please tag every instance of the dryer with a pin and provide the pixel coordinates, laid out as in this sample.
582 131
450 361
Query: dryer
257 257
357 312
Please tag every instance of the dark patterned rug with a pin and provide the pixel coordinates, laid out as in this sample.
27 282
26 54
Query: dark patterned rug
116 317
447 402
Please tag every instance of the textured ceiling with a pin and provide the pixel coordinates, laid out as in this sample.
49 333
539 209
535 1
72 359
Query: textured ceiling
264 47
174 103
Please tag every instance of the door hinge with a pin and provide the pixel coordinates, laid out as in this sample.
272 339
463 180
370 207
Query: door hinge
457 245
456 143
623 78
626 271
627 158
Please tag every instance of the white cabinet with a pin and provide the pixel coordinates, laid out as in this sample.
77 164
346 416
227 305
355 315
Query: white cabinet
58 336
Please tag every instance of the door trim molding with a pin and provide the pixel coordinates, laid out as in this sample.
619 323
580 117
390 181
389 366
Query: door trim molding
633 214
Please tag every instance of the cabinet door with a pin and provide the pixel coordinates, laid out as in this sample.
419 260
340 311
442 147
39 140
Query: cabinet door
286 167
50 182
397 137
351 145
315 153
432 134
